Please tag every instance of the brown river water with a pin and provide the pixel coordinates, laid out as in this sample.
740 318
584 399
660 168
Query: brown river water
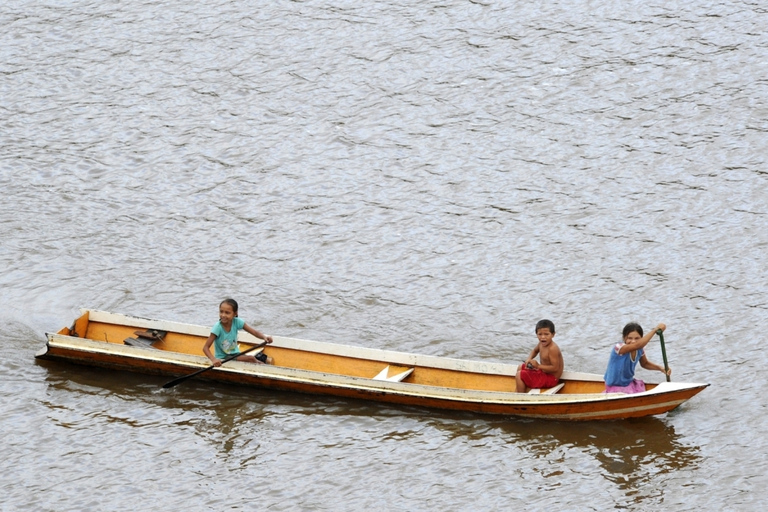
429 177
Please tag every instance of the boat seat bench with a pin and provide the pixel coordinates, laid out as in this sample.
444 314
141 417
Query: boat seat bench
550 391
145 338
382 375
139 342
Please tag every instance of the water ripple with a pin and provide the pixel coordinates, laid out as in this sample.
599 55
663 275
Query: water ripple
431 178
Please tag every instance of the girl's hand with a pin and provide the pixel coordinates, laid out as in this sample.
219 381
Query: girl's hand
268 339
217 362
668 372
660 326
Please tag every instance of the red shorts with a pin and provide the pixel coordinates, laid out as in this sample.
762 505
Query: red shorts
536 378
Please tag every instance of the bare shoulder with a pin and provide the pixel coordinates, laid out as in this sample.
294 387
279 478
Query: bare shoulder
555 352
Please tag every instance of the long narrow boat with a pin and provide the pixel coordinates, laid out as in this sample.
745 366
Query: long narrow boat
122 342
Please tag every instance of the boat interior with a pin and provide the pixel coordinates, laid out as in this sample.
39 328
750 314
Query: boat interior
315 360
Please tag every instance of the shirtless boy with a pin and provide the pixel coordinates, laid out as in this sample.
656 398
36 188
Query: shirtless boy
544 374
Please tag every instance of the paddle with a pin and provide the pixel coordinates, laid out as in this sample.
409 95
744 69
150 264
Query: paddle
663 353
228 358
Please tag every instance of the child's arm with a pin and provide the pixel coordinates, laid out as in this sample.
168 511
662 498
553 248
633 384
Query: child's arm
648 365
207 350
532 358
643 341
247 328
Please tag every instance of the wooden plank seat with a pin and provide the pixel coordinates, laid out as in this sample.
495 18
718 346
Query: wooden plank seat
145 338
383 375
550 391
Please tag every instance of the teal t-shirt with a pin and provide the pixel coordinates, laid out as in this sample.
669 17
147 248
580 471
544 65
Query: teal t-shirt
225 343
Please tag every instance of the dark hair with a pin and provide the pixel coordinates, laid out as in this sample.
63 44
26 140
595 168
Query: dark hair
630 328
545 324
231 302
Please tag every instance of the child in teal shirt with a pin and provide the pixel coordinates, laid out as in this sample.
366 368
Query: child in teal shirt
223 337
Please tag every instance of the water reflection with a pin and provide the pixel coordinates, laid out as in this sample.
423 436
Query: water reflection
631 453
620 446
84 381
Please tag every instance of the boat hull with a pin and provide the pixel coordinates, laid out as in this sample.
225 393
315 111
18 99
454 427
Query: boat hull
97 339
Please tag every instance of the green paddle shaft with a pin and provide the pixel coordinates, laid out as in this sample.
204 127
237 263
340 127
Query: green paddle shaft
663 353
228 358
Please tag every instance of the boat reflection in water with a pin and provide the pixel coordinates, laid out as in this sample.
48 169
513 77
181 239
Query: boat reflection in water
631 454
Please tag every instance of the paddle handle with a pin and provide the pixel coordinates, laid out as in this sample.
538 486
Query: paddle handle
228 358
664 354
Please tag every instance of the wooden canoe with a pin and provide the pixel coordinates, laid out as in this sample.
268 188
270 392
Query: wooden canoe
110 340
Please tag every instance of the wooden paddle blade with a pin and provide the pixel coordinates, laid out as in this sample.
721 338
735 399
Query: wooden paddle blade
174 382
185 377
